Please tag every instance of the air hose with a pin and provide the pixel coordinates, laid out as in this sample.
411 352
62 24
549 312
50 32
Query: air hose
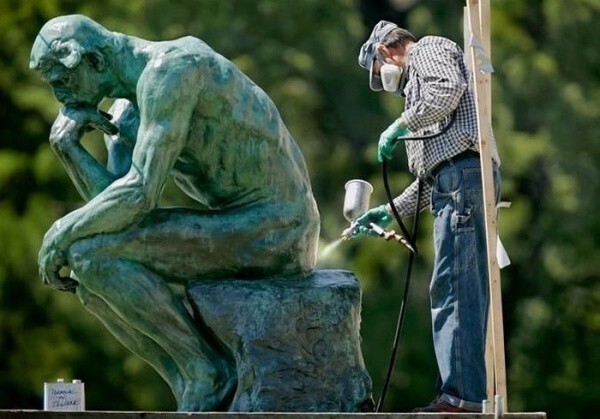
412 239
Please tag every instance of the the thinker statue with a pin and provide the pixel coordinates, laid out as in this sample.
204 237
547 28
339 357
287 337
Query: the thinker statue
188 112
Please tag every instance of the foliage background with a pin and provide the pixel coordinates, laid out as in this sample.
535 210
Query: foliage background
303 53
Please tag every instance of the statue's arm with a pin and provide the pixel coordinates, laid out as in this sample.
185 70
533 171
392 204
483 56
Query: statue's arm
120 147
87 174
166 108
119 156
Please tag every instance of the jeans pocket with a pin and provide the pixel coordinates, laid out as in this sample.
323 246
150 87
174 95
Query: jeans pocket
466 247
447 181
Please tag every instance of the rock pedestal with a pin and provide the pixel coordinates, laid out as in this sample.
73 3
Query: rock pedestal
296 342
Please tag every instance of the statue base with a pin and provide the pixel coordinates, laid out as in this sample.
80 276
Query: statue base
296 342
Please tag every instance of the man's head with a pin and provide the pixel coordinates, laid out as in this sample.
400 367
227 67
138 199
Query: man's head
70 53
387 44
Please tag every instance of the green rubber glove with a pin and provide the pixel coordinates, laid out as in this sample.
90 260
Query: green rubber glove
378 215
387 140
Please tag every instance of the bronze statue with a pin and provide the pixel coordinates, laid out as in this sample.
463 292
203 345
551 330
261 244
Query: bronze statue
185 111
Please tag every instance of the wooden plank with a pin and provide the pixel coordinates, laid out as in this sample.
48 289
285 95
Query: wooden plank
489 350
486 41
489 364
482 83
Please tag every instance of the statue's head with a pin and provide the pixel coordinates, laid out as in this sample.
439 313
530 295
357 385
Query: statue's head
70 53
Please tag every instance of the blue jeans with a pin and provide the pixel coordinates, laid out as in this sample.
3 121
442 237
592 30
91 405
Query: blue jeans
459 286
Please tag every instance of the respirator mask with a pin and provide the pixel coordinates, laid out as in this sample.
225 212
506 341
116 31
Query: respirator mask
392 78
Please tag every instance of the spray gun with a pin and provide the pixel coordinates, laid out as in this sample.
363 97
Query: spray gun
356 203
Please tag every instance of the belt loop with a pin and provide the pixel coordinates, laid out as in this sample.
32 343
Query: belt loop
450 162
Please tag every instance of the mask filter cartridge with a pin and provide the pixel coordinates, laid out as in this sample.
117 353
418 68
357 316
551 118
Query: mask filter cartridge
390 77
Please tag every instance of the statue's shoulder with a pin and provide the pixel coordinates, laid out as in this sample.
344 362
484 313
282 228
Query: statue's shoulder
186 51
180 57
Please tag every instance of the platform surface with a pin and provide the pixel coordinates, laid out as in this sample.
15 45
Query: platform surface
40 414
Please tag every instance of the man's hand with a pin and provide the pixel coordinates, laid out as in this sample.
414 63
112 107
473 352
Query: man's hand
71 123
50 260
378 215
388 142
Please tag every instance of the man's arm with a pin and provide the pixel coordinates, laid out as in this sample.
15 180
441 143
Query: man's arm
442 84
406 203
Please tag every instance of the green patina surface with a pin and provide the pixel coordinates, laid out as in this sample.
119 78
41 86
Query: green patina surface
187 112
296 344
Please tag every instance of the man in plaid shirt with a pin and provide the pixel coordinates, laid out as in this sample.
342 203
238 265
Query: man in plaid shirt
432 75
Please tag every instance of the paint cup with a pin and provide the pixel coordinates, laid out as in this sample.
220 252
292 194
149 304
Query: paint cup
357 199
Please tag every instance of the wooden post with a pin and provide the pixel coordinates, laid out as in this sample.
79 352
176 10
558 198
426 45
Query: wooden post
484 31
478 18
489 347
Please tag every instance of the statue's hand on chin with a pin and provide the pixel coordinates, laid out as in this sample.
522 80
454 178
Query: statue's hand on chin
73 121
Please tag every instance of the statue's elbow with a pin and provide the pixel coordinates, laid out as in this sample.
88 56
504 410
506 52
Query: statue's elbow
136 199
144 201
135 193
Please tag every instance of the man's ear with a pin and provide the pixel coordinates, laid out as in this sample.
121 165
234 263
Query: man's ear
383 51
96 60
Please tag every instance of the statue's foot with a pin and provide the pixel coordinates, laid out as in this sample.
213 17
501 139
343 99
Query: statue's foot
177 385
200 397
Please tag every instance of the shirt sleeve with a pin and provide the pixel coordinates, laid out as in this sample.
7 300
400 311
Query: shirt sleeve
406 202
441 85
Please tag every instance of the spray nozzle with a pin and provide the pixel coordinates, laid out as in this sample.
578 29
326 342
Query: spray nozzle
351 231
356 203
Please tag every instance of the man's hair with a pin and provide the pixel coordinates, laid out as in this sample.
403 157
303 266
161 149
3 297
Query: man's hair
398 36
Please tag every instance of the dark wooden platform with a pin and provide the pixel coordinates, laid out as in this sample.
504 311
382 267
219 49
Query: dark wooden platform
40 414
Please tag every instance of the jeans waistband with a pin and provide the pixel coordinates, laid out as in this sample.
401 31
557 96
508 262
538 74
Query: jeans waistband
455 159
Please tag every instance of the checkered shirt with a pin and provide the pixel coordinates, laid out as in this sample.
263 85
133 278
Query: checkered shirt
438 84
